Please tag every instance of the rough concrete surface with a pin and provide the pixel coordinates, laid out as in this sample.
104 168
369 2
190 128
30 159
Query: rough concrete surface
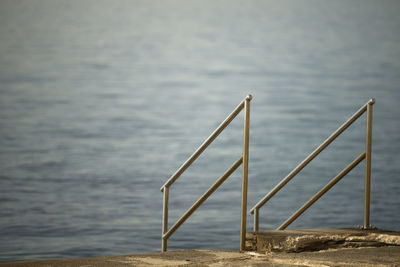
315 247
377 256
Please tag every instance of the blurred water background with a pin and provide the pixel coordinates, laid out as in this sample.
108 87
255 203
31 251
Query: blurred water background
101 101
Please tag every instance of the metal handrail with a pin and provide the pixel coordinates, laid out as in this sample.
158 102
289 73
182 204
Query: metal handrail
243 159
367 155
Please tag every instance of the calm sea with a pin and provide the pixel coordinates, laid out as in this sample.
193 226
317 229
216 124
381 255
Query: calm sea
101 101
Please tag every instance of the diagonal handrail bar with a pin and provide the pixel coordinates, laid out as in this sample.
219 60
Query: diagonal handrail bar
325 189
204 197
243 160
205 144
366 107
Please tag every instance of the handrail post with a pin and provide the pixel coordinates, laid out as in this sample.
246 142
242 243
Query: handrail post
165 219
367 181
256 220
245 169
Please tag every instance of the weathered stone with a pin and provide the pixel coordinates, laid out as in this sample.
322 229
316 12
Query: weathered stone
322 239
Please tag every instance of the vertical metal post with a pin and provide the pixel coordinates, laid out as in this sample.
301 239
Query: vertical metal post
367 181
256 218
245 172
165 220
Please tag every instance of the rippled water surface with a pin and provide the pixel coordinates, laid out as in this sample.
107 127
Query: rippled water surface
101 101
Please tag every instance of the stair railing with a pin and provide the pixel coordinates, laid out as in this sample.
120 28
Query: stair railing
364 155
243 159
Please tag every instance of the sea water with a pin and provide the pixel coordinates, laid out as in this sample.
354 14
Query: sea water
101 101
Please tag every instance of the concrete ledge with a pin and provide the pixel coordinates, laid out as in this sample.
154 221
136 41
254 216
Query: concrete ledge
314 247
381 256
320 239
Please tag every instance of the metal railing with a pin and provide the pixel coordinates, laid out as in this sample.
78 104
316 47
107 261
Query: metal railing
364 155
243 159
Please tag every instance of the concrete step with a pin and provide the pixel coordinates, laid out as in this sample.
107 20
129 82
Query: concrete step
251 241
319 239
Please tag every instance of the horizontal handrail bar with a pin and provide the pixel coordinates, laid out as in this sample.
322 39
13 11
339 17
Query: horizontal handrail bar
325 189
203 197
206 143
310 157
